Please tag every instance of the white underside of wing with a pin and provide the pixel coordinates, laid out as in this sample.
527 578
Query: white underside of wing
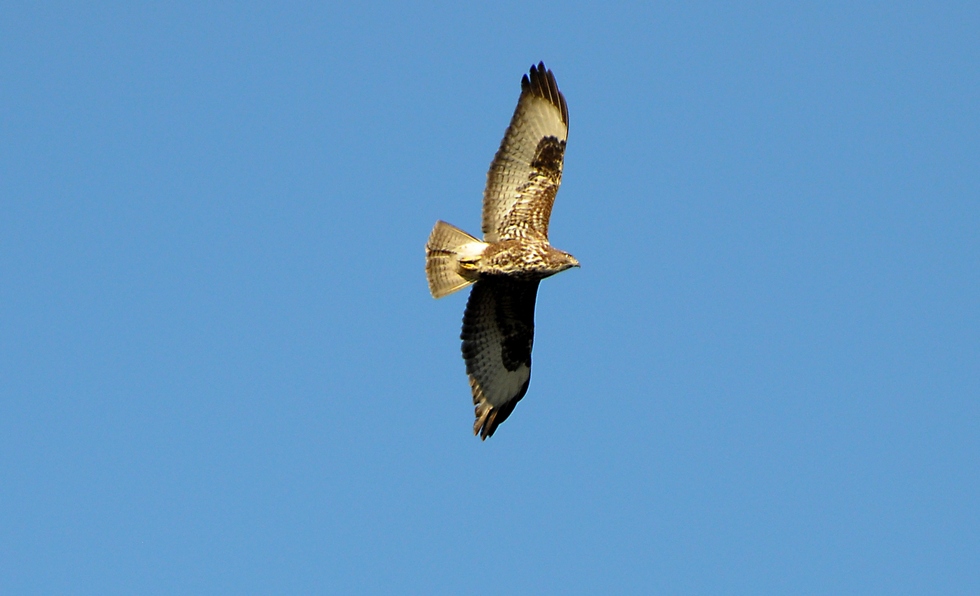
499 385
483 348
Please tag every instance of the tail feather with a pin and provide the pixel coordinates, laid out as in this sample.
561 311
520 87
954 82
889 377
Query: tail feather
446 245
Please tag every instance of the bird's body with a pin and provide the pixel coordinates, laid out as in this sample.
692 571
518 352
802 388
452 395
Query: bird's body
514 256
527 259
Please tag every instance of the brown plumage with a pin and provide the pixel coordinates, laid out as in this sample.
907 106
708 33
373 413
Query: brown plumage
514 256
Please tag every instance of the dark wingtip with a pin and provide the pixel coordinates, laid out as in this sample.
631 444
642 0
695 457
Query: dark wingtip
541 82
489 427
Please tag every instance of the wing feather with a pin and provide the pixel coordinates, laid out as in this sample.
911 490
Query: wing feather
526 171
498 333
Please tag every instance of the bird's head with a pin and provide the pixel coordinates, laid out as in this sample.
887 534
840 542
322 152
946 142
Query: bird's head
572 261
568 261
555 261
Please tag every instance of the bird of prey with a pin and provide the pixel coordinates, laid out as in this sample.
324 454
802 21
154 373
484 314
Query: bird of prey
514 255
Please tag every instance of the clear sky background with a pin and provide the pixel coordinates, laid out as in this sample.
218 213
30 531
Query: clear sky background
221 370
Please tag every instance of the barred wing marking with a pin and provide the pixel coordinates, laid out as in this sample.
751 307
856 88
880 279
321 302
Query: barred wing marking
526 171
498 332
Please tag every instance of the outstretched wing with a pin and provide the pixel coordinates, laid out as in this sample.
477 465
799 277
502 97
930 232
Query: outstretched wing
498 332
525 174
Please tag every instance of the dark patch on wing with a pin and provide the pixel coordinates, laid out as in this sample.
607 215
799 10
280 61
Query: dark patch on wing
548 158
510 305
526 170
515 318
537 195
498 332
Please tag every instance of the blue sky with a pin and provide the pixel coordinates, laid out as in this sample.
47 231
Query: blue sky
221 370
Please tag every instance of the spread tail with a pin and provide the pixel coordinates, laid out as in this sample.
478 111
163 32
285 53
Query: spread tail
447 246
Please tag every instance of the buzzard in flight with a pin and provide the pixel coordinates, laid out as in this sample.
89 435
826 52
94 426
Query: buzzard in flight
514 256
